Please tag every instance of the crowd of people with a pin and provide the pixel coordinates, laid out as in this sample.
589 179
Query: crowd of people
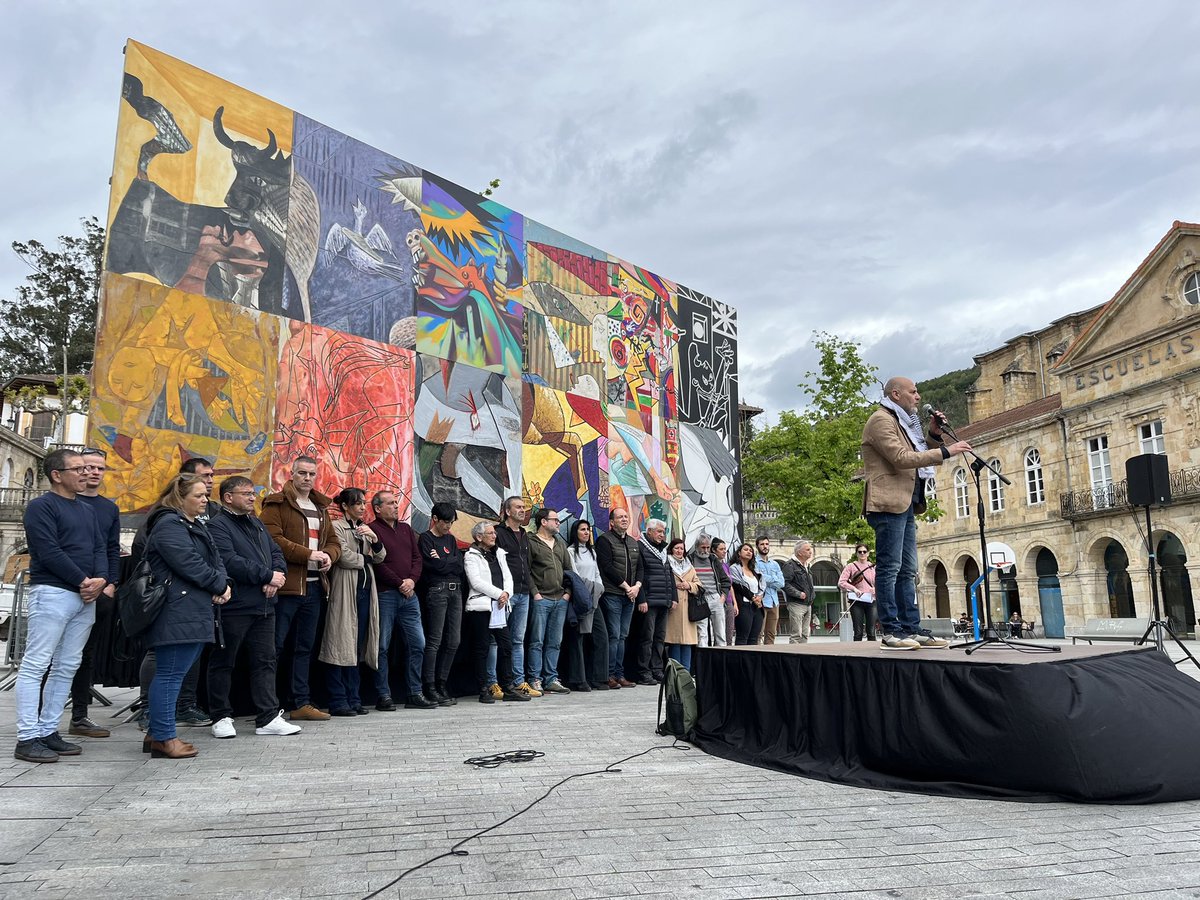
340 579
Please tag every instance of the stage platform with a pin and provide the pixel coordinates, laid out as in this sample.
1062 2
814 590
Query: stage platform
1088 724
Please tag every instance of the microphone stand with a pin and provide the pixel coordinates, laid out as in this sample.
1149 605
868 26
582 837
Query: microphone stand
991 637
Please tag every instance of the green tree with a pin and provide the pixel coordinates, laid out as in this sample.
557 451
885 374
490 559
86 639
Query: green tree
949 393
56 307
805 466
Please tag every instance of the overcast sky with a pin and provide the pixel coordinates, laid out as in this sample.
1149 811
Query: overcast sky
927 178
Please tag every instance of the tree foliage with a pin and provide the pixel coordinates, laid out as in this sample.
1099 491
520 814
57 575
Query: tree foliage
56 307
949 393
805 466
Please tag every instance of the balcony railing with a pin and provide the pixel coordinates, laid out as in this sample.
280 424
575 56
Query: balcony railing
14 500
1114 498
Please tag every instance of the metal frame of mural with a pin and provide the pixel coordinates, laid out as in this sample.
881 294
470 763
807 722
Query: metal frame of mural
273 287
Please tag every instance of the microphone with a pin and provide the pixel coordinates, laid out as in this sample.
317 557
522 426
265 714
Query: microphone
940 418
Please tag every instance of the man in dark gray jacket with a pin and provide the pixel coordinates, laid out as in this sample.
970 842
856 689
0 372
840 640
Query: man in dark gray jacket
256 570
657 598
620 564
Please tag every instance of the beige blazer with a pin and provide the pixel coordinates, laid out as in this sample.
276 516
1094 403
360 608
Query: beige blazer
890 464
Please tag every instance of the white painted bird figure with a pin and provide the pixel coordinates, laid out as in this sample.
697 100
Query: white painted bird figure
367 254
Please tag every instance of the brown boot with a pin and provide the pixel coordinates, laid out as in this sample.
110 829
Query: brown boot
147 741
172 749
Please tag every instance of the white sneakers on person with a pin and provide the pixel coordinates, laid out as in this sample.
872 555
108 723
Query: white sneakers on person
279 725
223 728
898 642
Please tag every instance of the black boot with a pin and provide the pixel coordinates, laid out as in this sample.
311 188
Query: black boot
420 701
444 698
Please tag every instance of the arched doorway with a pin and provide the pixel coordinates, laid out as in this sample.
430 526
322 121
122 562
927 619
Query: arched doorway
1176 586
827 602
1006 600
1050 594
970 573
1120 586
941 591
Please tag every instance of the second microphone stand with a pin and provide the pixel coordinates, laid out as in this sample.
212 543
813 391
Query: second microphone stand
991 636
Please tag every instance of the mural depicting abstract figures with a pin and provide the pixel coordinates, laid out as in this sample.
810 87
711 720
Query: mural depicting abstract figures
274 288
348 403
178 375
707 400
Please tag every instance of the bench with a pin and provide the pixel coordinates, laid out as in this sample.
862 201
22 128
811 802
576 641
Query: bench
942 628
1111 630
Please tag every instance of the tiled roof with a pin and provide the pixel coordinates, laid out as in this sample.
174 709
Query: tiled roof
1011 417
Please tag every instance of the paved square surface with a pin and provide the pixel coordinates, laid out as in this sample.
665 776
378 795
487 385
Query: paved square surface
343 808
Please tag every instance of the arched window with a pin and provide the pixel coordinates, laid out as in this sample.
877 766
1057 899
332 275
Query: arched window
995 487
930 488
962 504
1191 289
1035 486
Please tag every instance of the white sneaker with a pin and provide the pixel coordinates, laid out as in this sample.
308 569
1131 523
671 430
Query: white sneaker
223 728
928 641
278 726
898 642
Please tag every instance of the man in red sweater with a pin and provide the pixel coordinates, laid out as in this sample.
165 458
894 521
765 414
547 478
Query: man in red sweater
397 579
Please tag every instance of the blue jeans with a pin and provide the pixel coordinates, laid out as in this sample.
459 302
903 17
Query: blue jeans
518 619
303 612
395 607
618 613
59 625
681 653
344 681
549 616
896 571
172 662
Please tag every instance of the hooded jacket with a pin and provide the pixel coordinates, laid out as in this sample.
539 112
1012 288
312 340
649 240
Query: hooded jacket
184 554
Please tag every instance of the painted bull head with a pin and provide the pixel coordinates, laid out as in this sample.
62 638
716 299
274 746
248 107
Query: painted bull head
258 196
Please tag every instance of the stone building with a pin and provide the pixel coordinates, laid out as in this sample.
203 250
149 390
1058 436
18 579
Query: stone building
1061 410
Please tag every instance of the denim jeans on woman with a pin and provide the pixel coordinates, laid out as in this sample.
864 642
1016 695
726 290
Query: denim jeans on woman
59 625
172 663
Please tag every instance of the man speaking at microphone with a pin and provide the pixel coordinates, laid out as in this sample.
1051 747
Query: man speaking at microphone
896 462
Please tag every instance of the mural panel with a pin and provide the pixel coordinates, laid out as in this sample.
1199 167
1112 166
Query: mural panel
470 265
363 279
176 376
467 424
348 403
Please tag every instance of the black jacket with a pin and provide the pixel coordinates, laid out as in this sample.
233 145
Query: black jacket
251 558
658 585
183 552
618 559
797 579
516 545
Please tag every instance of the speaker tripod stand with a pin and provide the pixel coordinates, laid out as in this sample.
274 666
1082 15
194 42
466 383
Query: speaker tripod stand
1158 625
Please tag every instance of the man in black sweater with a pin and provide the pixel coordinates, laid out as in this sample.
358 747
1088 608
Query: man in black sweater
442 580
621 571
256 570
108 520
513 539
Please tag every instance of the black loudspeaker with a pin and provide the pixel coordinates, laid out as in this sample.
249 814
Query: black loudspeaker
1147 480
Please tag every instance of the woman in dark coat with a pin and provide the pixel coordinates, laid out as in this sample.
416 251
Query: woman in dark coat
180 550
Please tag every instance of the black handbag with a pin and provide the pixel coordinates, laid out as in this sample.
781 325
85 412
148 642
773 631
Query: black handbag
698 609
140 599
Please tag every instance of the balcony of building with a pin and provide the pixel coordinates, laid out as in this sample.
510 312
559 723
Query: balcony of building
1113 499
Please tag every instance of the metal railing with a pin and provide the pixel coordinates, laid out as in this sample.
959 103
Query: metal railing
1114 497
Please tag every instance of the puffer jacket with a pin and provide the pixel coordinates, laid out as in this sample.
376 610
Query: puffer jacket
184 552
479 579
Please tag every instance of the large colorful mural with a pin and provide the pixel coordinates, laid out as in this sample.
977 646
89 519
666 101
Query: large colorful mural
274 288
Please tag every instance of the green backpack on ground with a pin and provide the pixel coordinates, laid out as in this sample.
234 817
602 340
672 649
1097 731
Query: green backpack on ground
678 690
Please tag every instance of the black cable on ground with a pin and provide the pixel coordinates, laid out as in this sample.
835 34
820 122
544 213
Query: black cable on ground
490 762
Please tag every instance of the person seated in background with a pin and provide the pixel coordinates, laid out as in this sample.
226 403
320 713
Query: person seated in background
1014 625
963 625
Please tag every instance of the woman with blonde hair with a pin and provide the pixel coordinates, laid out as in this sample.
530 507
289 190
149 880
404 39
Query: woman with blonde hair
182 555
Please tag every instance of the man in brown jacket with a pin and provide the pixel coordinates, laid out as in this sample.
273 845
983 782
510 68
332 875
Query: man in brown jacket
896 461
297 518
